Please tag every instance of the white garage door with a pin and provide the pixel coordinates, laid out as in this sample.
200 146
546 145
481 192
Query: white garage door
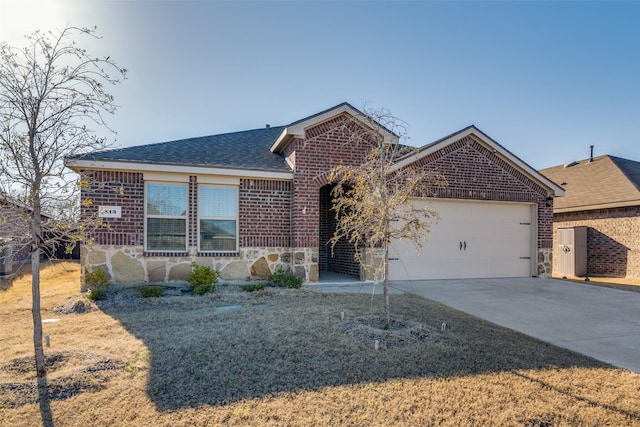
471 240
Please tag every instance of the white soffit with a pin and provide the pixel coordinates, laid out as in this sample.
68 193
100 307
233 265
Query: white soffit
78 164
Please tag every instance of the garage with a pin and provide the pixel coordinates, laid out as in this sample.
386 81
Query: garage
472 239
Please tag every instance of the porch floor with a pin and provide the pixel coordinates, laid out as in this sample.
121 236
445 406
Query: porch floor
327 277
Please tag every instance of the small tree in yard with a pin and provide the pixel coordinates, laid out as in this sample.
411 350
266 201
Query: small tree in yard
374 202
51 92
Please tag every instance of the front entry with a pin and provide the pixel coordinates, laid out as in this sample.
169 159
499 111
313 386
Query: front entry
340 259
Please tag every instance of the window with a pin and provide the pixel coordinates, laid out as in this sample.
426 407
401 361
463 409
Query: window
218 219
166 217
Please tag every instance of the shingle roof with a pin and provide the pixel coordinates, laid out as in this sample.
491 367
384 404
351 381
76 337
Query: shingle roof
238 150
322 112
606 182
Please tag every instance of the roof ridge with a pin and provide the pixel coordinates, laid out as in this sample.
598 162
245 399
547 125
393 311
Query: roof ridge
321 113
616 160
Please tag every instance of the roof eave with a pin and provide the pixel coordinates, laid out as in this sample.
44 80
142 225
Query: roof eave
624 204
282 141
97 164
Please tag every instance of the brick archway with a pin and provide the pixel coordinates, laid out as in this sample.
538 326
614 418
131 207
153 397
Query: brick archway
340 258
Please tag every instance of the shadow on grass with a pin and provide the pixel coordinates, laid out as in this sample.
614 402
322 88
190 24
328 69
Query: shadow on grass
295 341
44 401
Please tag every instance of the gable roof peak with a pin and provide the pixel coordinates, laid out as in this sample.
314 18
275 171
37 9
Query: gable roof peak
341 106
297 128
483 139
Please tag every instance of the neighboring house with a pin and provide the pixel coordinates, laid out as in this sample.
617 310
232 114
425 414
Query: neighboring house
15 237
250 202
15 233
602 194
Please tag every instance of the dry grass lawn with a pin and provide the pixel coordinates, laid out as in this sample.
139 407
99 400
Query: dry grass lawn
622 283
285 358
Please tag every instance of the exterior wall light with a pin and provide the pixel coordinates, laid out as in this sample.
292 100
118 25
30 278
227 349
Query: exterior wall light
548 201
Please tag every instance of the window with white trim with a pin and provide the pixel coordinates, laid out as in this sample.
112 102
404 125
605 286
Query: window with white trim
217 218
166 217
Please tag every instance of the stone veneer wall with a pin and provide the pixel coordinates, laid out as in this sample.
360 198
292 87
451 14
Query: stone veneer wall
129 264
545 262
613 240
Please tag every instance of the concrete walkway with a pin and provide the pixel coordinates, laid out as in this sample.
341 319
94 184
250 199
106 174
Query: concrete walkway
599 322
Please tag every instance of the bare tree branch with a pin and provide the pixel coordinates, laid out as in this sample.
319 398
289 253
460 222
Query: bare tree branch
51 91
375 202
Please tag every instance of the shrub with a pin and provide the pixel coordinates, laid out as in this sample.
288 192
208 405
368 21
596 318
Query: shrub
285 279
147 291
96 279
203 279
276 278
292 281
204 289
96 282
96 294
252 288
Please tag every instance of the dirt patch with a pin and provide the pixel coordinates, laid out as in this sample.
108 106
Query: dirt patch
80 372
398 333
77 305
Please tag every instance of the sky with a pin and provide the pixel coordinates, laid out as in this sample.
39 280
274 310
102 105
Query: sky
544 79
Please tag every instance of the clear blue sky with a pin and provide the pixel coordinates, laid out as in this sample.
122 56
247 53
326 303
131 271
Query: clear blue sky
544 79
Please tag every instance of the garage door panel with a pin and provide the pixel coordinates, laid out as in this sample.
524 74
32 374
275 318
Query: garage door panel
495 240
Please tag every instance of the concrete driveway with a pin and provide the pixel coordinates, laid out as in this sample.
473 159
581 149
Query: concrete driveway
599 322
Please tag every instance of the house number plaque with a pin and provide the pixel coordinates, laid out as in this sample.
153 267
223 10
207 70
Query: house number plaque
109 211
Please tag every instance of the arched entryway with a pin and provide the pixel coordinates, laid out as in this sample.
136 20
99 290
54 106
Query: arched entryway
340 260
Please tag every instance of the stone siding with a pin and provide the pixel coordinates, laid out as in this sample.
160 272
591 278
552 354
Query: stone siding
129 264
15 233
613 240
545 261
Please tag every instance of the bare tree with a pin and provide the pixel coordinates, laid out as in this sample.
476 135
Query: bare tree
52 92
374 202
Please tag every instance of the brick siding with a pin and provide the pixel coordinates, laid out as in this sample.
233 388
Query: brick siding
112 188
474 172
613 240
264 210
265 213
325 146
192 213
